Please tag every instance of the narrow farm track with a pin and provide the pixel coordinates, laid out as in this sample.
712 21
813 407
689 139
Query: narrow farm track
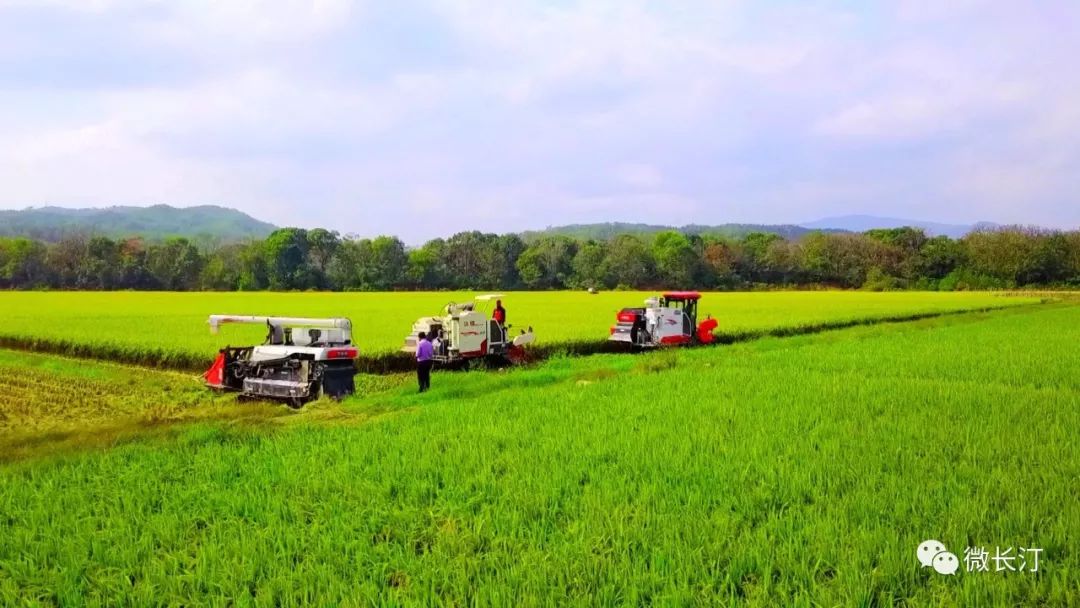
395 363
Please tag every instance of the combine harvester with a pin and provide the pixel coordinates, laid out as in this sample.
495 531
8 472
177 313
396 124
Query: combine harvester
300 359
466 333
669 319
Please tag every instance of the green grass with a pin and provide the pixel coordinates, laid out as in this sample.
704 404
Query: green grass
796 471
170 330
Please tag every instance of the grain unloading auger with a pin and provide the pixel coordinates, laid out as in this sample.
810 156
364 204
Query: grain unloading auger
300 359
466 333
666 320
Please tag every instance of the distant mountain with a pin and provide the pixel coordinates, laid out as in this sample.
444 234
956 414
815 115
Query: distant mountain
207 222
862 223
606 231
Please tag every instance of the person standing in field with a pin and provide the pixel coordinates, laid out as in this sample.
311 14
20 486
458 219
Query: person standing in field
425 353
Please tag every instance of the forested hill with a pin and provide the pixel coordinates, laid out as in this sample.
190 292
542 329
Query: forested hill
207 222
606 231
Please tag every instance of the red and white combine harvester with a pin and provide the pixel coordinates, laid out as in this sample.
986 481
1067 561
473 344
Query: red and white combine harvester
669 319
466 332
300 359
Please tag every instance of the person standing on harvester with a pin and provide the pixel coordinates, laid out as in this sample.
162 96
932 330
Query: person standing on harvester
425 353
499 314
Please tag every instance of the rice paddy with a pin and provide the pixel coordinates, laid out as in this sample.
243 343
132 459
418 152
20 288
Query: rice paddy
796 471
169 329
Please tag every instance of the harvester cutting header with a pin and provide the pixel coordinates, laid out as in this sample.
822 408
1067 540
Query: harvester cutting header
299 359
669 319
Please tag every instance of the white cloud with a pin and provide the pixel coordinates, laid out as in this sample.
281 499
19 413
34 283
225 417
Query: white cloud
383 117
639 175
193 23
894 117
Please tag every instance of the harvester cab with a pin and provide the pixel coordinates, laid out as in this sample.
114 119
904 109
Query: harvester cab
300 359
665 320
467 331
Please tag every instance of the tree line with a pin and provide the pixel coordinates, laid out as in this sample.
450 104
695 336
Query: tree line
318 259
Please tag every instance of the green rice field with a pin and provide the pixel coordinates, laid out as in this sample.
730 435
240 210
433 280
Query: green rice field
170 328
784 471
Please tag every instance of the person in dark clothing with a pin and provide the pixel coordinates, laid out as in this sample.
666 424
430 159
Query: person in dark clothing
637 331
425 355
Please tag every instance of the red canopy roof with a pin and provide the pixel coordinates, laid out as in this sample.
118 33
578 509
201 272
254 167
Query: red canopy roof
682 295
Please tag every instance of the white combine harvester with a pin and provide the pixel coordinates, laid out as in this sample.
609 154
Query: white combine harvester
669 319
466 332
300 359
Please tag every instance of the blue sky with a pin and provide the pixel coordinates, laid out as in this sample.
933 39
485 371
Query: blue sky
422 118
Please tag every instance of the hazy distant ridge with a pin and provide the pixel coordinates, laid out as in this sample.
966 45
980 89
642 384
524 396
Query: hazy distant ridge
862 223
156 222
605 231
221 223
847 223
